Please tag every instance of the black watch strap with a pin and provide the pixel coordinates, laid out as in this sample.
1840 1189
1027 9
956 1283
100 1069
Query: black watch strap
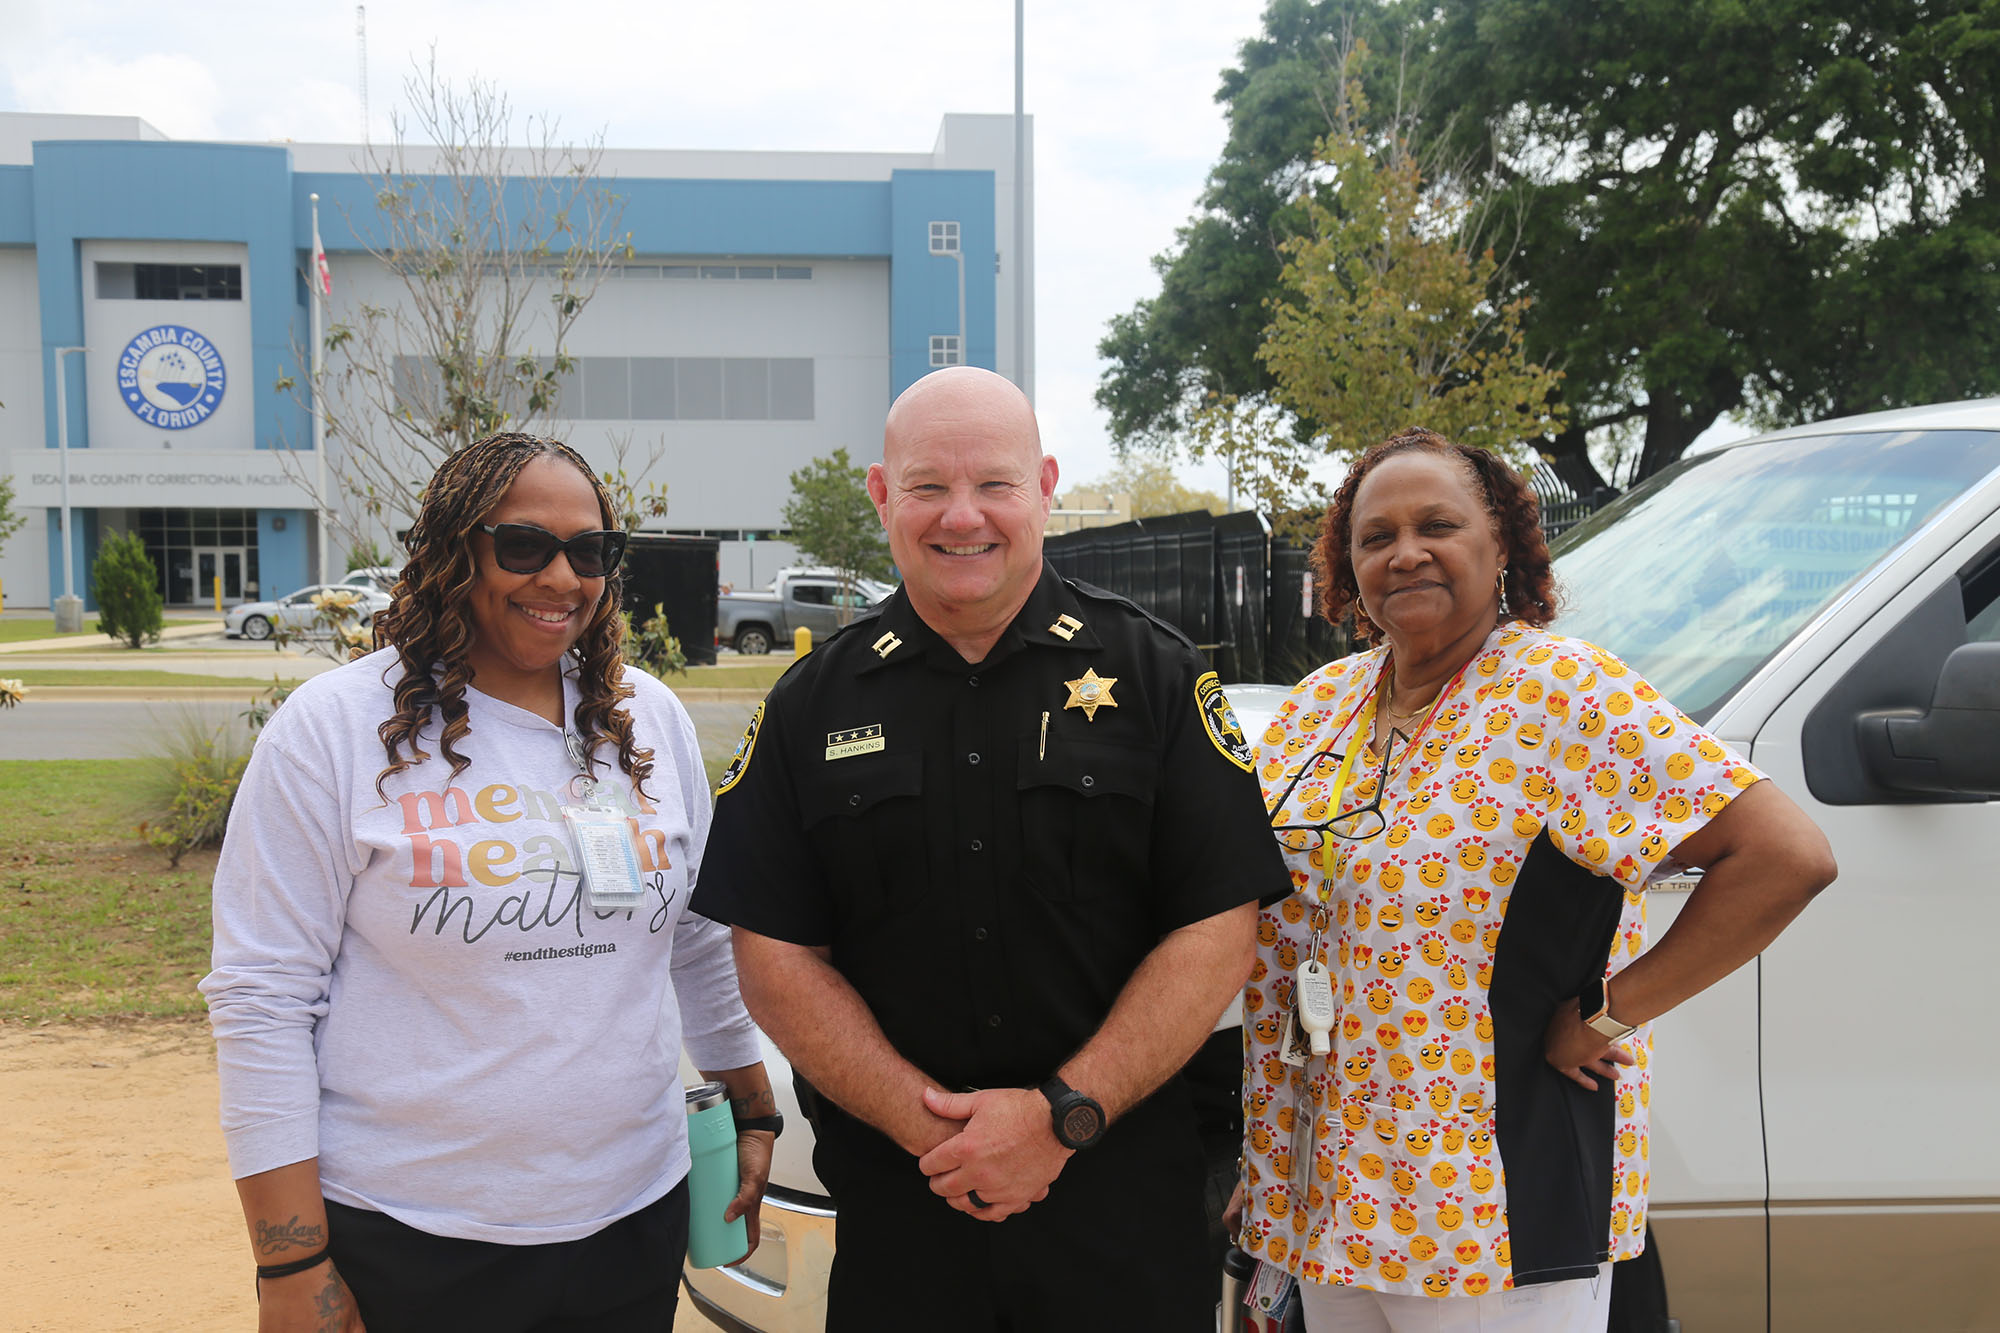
773 1124
1078 1120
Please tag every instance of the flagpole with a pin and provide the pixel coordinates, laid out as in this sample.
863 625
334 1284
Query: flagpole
316 281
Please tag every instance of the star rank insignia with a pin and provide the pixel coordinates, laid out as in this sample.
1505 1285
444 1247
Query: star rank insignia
1091 692
855 740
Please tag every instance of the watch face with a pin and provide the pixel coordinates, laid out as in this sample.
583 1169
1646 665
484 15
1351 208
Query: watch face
1081 1123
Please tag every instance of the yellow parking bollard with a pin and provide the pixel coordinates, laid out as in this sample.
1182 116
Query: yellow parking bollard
802 641
218 594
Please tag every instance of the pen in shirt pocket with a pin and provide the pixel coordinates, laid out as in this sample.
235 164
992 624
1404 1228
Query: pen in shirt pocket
1042 750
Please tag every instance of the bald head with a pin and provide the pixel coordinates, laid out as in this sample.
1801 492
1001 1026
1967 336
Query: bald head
963 489
967 395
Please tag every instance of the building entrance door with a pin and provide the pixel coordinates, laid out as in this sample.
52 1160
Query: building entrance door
213 562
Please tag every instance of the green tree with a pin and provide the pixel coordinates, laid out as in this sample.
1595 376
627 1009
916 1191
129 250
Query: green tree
129 605
10 522
1807 227
834 523
1154 489
1383 317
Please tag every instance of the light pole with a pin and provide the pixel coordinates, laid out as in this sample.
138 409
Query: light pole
1020 221
69 607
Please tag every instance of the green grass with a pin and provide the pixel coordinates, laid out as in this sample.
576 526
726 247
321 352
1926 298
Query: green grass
34 679
92 923
15 630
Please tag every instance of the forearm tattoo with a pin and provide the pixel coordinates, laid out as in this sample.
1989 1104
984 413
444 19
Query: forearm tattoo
756 1104
277 1237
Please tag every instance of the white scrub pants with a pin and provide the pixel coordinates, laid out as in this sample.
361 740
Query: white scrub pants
1580 1305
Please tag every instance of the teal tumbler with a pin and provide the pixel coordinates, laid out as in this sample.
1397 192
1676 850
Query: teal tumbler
712 1179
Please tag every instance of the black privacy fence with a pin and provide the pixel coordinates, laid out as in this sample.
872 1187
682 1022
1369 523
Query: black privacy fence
1245 596
1241 594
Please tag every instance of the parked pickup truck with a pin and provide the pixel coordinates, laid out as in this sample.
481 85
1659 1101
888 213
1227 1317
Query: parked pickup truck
751 622
1827 600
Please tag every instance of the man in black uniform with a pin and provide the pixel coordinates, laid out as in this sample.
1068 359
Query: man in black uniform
993 855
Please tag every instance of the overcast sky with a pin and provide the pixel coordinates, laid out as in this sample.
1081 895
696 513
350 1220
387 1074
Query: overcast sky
1122 92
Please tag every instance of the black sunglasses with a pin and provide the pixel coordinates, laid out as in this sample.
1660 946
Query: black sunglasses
1358 825
523 548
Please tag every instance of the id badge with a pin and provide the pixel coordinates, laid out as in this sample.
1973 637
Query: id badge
604 854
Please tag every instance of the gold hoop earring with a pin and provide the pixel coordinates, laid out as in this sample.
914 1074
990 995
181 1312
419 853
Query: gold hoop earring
1500 583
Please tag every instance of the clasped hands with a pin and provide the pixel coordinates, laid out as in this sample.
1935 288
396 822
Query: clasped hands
1003 1150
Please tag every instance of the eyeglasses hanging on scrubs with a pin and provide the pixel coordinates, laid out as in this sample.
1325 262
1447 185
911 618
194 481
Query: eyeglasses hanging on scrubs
1358 825
523 548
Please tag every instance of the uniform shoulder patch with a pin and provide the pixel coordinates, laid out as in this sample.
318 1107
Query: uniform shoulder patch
1219 720
739 763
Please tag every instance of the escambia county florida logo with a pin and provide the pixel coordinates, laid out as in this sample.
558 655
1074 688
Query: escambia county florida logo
171 377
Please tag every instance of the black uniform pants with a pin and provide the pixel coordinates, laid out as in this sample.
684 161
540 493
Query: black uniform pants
1120 1243
623 1279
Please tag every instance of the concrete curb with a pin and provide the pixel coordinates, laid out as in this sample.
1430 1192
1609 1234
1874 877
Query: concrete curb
88 641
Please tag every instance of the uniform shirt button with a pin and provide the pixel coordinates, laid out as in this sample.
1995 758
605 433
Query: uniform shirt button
1089 781
993 1020
972 758
979 932
978 846
973 681
854 799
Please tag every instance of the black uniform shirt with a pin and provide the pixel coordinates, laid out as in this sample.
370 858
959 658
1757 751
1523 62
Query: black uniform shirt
988 861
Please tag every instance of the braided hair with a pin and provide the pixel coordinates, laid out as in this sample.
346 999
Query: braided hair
430 624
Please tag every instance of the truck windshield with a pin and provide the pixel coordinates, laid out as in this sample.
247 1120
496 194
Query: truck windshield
1698 576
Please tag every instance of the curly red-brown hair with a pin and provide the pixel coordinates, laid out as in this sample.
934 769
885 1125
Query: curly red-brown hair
1517 522
430 623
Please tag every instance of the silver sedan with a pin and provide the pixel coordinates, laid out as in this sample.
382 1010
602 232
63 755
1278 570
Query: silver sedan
298 613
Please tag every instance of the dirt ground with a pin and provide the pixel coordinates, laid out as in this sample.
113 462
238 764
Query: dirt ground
115 1197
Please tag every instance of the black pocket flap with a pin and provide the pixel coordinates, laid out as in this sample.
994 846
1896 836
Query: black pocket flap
1090 768
857 785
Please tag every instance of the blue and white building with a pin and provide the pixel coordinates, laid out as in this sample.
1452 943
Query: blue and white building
773 306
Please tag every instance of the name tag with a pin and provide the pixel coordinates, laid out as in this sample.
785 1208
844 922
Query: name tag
855 740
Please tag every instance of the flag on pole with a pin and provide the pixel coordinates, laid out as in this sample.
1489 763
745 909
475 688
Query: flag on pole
321 274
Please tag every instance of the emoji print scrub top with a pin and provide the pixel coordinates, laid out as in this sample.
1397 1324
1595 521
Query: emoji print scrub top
1434 1151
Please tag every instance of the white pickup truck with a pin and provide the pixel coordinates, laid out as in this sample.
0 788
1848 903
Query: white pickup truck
1826 599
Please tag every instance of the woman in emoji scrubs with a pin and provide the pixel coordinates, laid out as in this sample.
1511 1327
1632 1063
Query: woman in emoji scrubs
454 969
1470 809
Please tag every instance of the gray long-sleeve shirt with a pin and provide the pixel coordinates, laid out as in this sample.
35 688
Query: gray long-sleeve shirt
416 991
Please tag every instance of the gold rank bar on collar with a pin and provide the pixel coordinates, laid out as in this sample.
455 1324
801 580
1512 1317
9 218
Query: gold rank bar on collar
1066 627
885 645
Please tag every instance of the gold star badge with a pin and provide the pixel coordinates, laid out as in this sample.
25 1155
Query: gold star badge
1091 692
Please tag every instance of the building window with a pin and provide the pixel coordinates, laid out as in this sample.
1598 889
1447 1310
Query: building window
646 388
944 238
169 282
945 350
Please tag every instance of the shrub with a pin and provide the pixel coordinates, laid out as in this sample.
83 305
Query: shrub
193 775
651 648
365 555
129 605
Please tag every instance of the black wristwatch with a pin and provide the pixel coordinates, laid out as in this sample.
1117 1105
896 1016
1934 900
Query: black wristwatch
1079 1120
772 1124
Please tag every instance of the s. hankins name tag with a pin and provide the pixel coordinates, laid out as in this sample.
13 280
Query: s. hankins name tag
853 741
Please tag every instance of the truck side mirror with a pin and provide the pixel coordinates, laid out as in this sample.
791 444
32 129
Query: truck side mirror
1954 746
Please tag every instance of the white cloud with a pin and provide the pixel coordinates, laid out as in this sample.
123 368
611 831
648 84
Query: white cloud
176 93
